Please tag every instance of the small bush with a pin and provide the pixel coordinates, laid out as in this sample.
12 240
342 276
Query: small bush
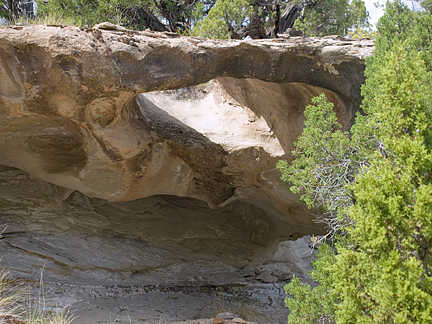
317 305
360 33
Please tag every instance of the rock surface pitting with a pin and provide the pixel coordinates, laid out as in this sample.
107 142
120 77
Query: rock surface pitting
145 158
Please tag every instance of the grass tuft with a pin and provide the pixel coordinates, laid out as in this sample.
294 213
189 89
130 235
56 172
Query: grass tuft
50 19
15 309
10 293
238 308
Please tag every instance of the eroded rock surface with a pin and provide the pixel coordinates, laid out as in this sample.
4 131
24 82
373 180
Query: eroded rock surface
147 158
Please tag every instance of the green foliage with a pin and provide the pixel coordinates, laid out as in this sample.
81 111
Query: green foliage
4 10
386 278
81 12
321 143
50 19
426 4
308 306
225 14
381 272
14 9
360 33
319 17
176 15
208 18
331 17
326 160
399 24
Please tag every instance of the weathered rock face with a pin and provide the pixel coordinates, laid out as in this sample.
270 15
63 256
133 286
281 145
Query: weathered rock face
137 157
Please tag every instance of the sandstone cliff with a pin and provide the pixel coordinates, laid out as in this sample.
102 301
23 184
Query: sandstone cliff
125 154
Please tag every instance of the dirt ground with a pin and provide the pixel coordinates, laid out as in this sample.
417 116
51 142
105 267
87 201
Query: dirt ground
93 305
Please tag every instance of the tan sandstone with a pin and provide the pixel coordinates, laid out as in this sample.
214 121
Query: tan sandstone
138 157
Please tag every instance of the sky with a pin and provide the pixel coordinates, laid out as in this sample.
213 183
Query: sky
376 13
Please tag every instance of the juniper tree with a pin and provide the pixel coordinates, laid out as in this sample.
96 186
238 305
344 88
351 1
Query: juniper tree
221 18
326 161
159 15
331 17
381 271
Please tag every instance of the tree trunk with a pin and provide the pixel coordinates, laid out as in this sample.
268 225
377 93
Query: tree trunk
140 16
290 14
276 27
13 8
255 29
26 9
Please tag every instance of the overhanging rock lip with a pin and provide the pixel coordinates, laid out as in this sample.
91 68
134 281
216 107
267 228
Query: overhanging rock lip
334 50
91 77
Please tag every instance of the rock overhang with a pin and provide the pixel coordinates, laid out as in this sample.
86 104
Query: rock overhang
125 116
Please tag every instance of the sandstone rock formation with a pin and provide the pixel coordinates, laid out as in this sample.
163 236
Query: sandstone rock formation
133 156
